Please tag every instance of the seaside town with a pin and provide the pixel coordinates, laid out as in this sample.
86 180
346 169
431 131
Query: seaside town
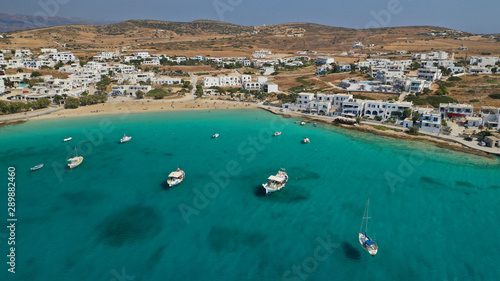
247 140
50 77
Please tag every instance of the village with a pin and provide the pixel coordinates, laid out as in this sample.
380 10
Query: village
138 75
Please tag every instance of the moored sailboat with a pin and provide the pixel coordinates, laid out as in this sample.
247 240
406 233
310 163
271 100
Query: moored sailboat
75 161
366 242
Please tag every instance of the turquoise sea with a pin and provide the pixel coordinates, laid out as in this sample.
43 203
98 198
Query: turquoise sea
435 212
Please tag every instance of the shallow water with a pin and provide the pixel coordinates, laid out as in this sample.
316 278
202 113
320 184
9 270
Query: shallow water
435 212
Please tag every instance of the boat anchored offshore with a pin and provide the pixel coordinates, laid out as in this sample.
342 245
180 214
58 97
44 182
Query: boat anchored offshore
175 177
68 139
368 244
315 124
75 161
306 140
276 182
277 134
303 123
125 139
215 136
37 167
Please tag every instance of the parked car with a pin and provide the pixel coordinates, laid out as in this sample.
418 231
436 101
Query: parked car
468 138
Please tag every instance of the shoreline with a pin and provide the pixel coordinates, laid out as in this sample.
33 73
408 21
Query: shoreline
156 106
390 133
138 106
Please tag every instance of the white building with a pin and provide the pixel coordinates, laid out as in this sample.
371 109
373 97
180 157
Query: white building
229 80
210 82
430 122
491 116
166 80
48 51
252 86
473 122
352 107
385 109
271 87
452 110
338 99
129 90
141 55
324 60
357 45
478 70
431 73
64 57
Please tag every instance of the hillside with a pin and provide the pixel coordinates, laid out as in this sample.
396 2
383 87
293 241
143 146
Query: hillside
226 39
11 22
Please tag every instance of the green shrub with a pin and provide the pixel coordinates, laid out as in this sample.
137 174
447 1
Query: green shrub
454 78
494 96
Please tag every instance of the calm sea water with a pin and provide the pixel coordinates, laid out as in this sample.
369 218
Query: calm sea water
435 212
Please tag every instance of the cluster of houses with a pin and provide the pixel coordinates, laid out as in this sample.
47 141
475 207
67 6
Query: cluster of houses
394 75
345 105
243 81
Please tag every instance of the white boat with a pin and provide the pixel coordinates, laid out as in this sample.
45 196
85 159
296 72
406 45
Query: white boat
125 139
68 139
276 182
37 167
175 177
277 134
303 123
306 140
75 161
215 136
366 242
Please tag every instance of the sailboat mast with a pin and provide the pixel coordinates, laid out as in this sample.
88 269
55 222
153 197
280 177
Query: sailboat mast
367 206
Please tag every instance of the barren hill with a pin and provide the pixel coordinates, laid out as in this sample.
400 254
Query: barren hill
221 38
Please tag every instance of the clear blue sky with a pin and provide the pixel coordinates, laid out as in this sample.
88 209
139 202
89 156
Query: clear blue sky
480 16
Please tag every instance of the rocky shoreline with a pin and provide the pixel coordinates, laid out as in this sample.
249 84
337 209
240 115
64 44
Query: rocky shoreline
388 133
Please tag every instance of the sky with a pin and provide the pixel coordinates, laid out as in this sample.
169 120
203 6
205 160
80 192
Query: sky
480 16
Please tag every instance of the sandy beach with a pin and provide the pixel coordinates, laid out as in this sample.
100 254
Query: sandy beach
137 106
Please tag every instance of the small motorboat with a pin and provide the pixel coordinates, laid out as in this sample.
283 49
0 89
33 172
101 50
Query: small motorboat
68 139
315 124
125 139
306 140
302 123
215 136
37 167
175 177
277 134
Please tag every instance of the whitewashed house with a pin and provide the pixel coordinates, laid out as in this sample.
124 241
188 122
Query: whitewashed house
431 73
452 110
430 121
491 116
210 82
166 80
64 57
352 107
129 90
325 60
